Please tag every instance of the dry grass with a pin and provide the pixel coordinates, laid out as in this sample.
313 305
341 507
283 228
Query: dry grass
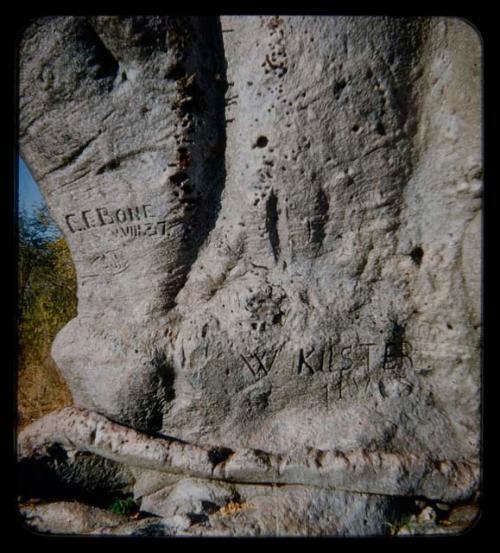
231 508
47 301
40 387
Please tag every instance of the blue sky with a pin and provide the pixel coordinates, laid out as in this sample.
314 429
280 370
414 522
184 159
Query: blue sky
29 194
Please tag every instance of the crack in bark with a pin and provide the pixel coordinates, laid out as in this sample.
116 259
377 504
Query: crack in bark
71 158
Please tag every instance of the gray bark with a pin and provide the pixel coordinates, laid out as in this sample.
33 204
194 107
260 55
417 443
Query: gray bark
296 271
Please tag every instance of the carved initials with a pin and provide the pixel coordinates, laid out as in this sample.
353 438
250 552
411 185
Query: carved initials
395 353
259 369
320 366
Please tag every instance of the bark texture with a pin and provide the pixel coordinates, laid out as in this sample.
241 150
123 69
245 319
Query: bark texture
275 223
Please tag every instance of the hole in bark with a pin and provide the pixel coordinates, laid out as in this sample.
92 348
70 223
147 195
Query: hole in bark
261 142
416 255
272 224
355 128
380 128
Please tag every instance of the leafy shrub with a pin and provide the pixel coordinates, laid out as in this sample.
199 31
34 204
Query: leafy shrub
46 302
123 506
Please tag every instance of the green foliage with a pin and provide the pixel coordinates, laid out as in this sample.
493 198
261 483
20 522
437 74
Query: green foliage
47 283
46 302
124 506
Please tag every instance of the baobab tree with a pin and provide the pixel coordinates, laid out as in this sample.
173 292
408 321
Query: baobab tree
275 225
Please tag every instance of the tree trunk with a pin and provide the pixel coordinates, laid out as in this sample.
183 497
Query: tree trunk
296 269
